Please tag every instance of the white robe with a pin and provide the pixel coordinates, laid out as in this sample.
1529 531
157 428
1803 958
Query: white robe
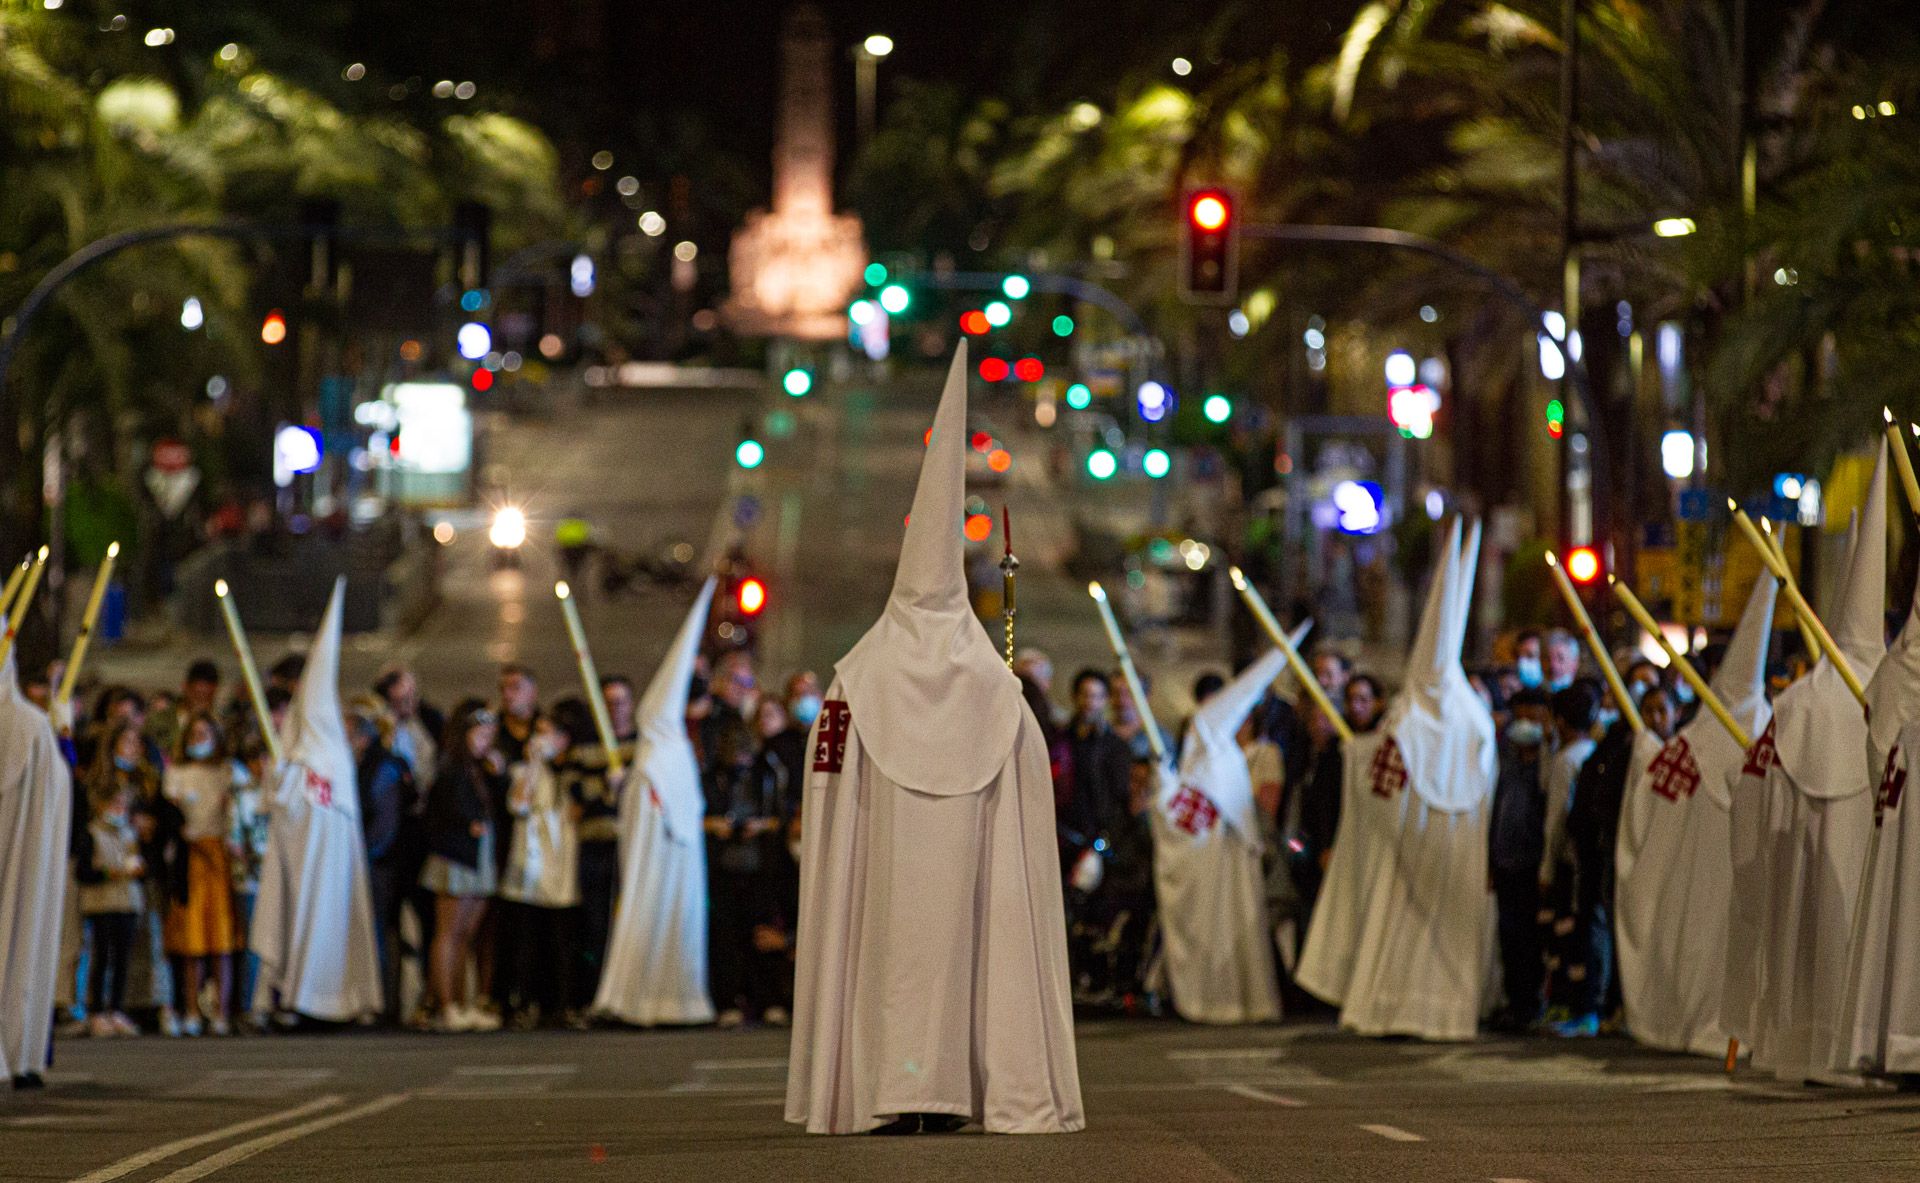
1674 884
36 810
932 970
1346 890
313 919
1884 1032
1207 878
656 968
1798 858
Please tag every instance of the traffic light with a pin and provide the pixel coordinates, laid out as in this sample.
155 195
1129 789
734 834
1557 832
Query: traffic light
1210 247
1556 419
751 595
1063 325
273 330
1079 396
875 274
895 299
797 382
974 323
1156 463
1016 287
472 243
1218 408
1583 564
1102 464
749 453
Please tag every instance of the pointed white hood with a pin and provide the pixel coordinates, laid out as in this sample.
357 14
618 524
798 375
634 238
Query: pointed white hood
1211 759
315 735
665 759
1741 683
1444 732
934 705
1893 697
1819 729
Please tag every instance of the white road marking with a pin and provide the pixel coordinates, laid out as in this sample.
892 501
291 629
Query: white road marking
147 1158
1251 1093
265 1142
1510 1181
741 1065
1392 1133
1228 1053
517 1070
257 1082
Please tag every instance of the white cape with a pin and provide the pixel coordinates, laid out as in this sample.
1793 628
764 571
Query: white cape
1884 1032
1206 866
1673 862
36 811
313 918
932 951
656 967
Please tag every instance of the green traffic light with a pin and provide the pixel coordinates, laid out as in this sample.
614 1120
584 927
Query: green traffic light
1016 287
1156 463
876 274
1218 408
749 454
1101 464
999 315
797 383
1063 325
895 299
1079 397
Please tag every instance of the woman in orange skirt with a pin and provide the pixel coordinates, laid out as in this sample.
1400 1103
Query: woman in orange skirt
201 932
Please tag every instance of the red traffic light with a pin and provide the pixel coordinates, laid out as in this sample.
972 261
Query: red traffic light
1209 209
1583 564
1029 369
975 323
273 330
483 380
752 597
994 369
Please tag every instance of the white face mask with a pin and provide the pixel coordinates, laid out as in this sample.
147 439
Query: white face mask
1528 670
1525 733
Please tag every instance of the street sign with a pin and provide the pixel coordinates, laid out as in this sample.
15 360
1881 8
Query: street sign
1696 505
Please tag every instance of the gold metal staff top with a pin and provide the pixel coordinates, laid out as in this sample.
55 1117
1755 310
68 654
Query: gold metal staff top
1008 565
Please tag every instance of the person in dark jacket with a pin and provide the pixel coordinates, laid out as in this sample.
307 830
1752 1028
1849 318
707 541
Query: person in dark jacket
1100 767
385 784
460 868
1517 838
746 814
582 772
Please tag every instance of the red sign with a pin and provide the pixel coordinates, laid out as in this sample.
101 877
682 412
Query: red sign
170 455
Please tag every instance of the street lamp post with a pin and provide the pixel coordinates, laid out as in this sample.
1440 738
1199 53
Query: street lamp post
866 83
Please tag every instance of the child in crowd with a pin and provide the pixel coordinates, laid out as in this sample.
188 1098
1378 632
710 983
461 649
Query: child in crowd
200 927
108 869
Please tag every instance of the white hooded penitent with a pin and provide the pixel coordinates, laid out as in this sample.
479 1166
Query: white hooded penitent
656 967
1674 864
1206 865
36 807
313 919
932 965
1802 817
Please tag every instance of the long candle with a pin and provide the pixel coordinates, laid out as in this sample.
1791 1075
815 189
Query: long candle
1257 604
67 680
1628 709
1897 444
13 582
1840 663
18 609
1807 637
602 722
1132 675
1639 612
249 673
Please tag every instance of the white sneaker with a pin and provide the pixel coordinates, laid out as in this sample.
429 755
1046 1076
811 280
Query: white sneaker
776 1016
220 1027
169 1023
453 1020
729 1019
192 1027
101 1027
480 1020
122 1025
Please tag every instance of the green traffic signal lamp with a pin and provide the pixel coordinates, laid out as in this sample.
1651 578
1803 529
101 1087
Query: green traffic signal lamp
875 274
895 298
796 382
1016 287
1102 464
1218 408
1063 325
749 454
1079 396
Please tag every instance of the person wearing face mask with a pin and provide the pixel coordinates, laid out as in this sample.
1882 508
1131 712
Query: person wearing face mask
1528 667
802 703
200 927
1517 837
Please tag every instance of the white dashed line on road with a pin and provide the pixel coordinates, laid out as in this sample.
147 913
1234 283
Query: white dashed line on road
1392 1133
739 1065
1254 1094
517 1070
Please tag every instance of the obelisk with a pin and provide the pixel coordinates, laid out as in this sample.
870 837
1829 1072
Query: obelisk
794 268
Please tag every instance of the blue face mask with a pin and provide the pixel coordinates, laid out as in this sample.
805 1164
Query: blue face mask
124 764
1683 693
200 751
1528 670
1525 733
805 709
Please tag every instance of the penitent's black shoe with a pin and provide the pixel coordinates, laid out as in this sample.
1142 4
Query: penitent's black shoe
906 1123
29 1080
941 1123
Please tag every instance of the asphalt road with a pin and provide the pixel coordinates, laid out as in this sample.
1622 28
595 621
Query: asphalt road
1165 1101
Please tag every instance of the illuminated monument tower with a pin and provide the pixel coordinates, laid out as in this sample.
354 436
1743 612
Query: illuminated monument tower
794 268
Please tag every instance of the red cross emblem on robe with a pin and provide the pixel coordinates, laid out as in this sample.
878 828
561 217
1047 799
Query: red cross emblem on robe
1761 756
1388 771
1192 811
1892 787
830 741
319 790
1674 773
